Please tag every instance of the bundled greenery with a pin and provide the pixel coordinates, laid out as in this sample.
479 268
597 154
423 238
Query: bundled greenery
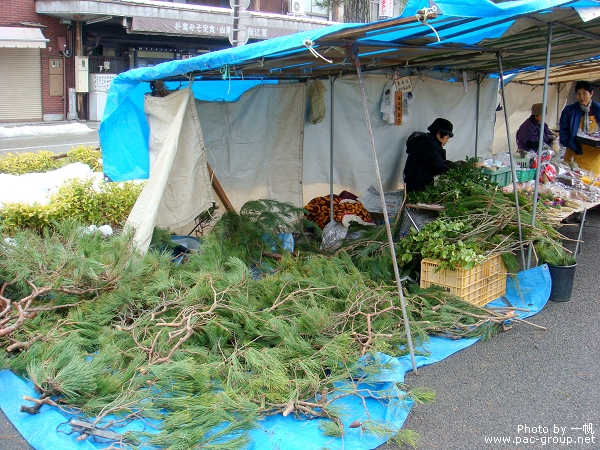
252 234
206 347
478 221
453 185
549 252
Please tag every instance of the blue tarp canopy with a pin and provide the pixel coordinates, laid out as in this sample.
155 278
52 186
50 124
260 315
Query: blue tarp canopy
457 35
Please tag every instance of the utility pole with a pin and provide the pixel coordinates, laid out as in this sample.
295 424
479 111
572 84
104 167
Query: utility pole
79 52
239 33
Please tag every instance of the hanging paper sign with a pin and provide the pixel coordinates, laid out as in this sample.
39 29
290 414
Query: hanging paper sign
403 84
386 8
398 108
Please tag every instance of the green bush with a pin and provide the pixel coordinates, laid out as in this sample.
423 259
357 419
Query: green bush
79 200
45 161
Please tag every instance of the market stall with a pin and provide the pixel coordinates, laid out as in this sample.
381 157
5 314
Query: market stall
126 140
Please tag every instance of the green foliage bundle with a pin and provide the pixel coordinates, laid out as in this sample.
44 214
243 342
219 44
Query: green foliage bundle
446 241
550 252
456 241
204 347
453 185
371 255
45 161
481 224
252 234
479 221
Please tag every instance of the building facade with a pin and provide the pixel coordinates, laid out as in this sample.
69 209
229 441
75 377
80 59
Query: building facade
57 57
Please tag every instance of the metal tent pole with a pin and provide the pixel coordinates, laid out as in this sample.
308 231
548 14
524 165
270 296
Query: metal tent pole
477 115
385 214
331 128
512 163
541 142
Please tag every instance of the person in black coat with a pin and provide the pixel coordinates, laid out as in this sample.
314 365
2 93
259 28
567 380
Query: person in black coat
426 156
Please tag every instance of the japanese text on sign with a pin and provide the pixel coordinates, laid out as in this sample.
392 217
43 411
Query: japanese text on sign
222 30
386 8
404 84
398 108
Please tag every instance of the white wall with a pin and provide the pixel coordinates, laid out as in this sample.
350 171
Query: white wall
353 160
519 98
240 137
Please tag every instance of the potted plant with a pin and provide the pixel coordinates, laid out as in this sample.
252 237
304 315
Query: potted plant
562 264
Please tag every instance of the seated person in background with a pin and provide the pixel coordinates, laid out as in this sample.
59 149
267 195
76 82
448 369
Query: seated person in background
583 115
426 156
528 134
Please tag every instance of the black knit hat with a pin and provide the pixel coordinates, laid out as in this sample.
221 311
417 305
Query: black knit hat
443 125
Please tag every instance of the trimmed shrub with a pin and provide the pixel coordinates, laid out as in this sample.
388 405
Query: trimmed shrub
45 161
81 200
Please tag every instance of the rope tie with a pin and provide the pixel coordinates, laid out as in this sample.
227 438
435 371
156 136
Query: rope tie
226 75
422 17
309 44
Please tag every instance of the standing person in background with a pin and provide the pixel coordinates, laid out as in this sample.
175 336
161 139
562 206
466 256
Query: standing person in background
528 134
426 156
584 115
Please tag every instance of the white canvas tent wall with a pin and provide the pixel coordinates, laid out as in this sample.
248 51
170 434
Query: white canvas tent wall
241 136
519 98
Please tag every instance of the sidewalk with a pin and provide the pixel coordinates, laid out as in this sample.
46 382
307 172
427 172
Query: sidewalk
90 123
18 130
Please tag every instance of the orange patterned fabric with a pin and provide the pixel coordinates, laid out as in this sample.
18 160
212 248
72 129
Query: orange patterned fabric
344 211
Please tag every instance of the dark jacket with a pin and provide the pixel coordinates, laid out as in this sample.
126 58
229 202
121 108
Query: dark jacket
425 159
570 119
528 135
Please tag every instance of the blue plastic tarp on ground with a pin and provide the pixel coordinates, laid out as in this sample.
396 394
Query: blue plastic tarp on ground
47 430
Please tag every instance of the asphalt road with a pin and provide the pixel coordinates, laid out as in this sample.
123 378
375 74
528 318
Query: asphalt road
58 144
517 385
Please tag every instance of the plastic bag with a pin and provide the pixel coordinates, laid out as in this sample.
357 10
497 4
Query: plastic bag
333 235
546 155
547 173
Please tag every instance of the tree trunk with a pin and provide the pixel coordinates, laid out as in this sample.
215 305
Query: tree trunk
356 11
